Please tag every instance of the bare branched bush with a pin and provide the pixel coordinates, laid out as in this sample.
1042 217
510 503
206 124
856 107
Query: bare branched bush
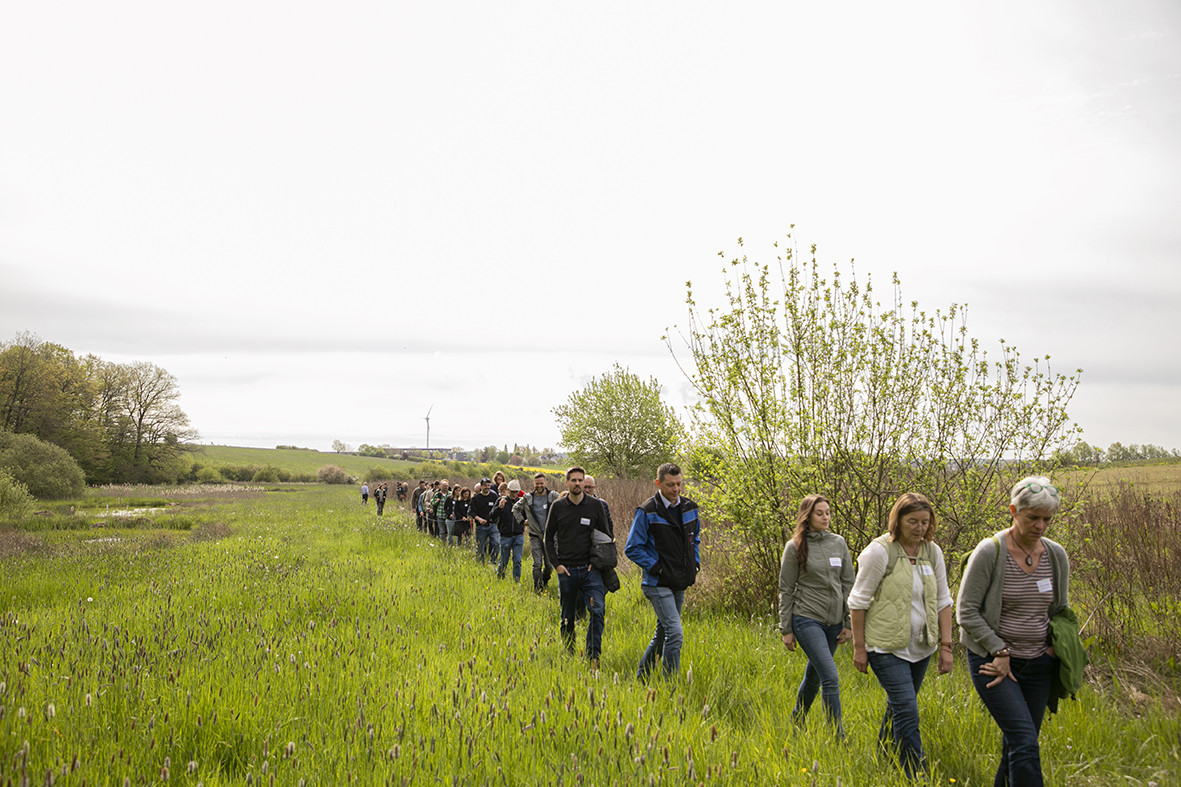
1125 551
332 474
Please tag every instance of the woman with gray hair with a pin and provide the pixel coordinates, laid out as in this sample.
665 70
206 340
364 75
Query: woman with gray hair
1015 581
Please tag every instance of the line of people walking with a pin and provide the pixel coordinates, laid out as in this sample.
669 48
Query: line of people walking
894 604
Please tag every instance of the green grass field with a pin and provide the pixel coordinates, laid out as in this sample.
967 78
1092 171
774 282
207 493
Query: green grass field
299 461
295 461
292 637
1157 478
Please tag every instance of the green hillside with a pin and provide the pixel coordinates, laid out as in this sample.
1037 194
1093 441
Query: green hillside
294 460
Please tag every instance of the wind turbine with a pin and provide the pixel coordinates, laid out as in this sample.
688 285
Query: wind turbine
428 427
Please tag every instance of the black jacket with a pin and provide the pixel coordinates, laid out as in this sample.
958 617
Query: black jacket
506 523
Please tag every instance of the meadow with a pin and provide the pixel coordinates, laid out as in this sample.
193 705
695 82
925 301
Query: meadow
290 636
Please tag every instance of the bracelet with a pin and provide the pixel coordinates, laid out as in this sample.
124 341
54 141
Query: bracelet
1002 652
947 644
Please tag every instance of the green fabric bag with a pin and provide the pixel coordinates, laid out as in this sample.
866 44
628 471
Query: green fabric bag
1068 647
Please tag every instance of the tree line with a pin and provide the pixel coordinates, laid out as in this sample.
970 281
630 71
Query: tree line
1089 455
120 422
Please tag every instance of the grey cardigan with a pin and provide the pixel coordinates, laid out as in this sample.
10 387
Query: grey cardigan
978 607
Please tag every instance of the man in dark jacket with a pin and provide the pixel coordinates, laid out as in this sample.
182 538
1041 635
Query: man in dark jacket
418 492
512 532
482 505
568 539
664 541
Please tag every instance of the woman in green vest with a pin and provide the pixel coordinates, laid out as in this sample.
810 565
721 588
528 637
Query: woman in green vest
900 609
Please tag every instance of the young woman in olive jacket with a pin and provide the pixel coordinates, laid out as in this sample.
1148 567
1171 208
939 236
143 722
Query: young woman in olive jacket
815 577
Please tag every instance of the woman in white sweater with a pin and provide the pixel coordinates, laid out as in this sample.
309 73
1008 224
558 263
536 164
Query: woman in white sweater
900 608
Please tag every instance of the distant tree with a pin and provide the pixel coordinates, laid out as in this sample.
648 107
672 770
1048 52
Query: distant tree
47 392
340 447
617 425
370 450
148 435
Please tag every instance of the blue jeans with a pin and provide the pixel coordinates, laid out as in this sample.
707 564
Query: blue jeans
1017 708
666 642
819 643
515 546
902 680
586 583
487 541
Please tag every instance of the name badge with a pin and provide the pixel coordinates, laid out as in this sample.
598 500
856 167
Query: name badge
584 521
835 562
545 505
927 571
1045 586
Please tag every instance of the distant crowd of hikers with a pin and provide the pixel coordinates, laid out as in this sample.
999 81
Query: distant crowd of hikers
1021 638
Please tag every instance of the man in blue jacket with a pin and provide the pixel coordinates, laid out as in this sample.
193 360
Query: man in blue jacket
665 542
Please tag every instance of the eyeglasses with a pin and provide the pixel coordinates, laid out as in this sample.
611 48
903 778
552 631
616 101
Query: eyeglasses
1035 488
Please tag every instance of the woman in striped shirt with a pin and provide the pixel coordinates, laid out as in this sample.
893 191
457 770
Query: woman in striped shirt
1013 583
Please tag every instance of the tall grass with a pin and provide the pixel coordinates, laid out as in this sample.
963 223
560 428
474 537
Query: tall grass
298 637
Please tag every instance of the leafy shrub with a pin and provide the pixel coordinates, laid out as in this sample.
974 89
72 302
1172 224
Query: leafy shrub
266 475
238 472
301 478
375 474
15 500
47 471
332 474
209 475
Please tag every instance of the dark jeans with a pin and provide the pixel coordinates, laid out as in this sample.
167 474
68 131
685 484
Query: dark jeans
586 583
819 643
902 680
1017 708
666 642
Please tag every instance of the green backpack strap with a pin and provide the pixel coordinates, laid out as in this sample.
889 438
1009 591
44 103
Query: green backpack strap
964 557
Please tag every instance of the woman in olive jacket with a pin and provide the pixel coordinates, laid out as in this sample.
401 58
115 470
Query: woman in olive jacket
815 577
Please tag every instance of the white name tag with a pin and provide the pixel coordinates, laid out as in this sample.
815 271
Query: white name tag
1045 586
835 562
584 521
545 505
927 571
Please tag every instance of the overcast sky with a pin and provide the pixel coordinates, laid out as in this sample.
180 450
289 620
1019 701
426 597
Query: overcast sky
325 219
